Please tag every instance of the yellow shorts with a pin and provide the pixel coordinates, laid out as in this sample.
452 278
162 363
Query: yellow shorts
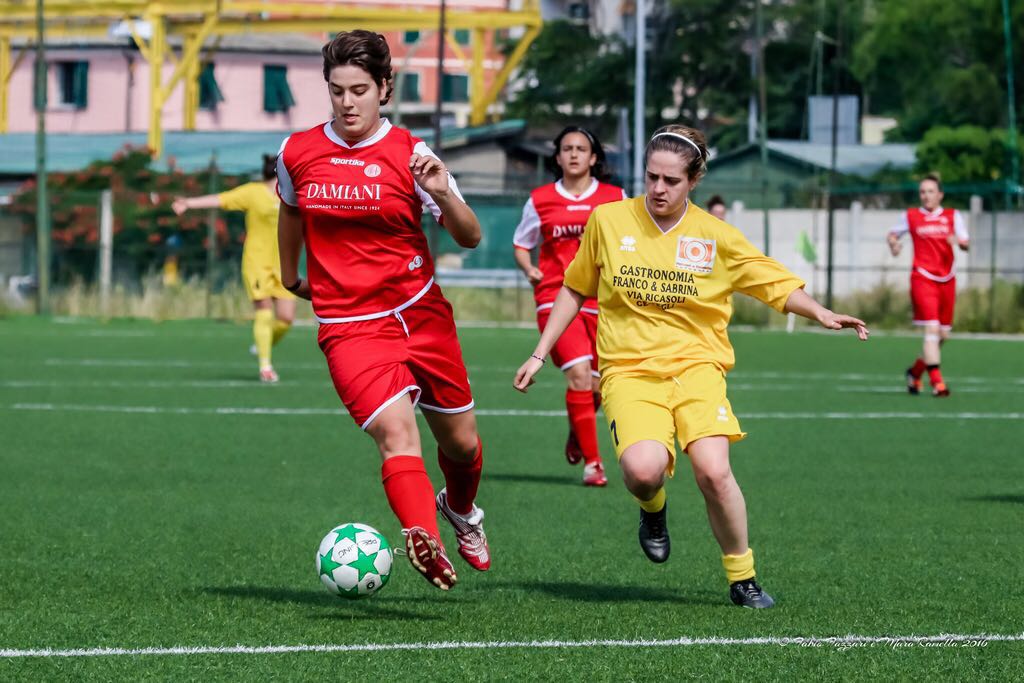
264 283
684 408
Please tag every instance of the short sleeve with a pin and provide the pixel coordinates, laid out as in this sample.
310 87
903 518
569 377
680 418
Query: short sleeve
583 273
238 199
757 275
429 204
960 228
285 186
901 228
527 233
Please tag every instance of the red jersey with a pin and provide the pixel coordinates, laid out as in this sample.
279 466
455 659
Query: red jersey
930 231
554 218
366 253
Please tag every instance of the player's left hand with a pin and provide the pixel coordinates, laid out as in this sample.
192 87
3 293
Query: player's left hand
837 321
429 173
524 376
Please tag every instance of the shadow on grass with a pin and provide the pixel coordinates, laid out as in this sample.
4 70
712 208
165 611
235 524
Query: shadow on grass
998 498
602 592
367 608
566 480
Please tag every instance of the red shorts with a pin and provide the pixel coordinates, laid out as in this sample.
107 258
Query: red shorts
933 301
373 363
578 344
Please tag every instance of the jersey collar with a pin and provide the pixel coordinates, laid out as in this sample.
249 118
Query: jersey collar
560 188
385 128
937 212
686 209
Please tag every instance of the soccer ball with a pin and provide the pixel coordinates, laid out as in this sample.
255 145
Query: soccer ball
354 560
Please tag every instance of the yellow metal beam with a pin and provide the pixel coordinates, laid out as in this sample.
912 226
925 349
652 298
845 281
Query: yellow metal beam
511 63
190 54
157 48
449 37
5 73
477 95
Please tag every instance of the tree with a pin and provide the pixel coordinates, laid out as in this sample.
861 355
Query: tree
935 62
964 154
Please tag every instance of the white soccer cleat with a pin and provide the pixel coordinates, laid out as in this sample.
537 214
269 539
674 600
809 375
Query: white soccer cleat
469 530
268 376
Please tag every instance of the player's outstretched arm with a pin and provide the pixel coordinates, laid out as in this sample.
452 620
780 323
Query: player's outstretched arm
567 306
182 204
459 220
801 303
289 243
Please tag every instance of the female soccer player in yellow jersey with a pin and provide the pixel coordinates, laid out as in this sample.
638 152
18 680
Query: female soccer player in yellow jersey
261 264
664 271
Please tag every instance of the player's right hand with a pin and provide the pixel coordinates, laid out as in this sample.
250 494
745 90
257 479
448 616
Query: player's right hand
534 275
524 376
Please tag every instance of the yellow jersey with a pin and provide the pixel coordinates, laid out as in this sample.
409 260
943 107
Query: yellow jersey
665 298
260 205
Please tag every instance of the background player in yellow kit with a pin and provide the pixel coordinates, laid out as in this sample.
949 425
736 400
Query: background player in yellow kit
664 272
261 263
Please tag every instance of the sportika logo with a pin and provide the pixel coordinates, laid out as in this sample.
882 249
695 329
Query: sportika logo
335 161
628 243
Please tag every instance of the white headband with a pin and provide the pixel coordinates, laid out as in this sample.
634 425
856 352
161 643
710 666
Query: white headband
681 137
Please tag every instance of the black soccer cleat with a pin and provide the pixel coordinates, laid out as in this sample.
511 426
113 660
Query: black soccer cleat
913 383
654 534
747 593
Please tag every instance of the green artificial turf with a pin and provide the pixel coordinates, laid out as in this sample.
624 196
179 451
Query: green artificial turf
171 523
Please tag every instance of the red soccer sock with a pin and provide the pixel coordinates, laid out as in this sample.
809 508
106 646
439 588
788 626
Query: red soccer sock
918 368
935 375
410 493
462 479
583 422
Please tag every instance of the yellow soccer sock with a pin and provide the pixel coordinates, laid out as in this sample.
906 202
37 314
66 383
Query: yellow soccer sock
654 504
280 329
263 333
739 567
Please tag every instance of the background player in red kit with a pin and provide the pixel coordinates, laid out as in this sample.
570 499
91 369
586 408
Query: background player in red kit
354 190
554 218
933 231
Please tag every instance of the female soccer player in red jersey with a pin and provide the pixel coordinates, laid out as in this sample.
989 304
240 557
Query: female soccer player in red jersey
354 190
554 218
934 231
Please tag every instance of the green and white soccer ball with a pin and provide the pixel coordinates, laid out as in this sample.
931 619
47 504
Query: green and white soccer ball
354 561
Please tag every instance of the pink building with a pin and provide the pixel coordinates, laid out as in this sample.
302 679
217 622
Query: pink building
251 82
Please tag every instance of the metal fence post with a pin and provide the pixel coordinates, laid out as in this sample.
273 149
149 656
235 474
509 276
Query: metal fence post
106 249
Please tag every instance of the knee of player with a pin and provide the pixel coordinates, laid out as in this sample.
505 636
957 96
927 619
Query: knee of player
579 381
715 480
642 473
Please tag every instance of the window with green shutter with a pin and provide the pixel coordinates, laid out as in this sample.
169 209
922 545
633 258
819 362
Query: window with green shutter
411 88
462 36
277 96
455 88
411 37
209 91
73 84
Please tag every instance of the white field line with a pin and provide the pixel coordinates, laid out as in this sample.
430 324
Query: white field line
893 378
485 412
253 383
893 642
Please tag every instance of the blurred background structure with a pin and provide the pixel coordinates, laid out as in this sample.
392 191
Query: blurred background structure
821 115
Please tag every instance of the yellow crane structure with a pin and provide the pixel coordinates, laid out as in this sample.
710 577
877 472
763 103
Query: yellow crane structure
195 22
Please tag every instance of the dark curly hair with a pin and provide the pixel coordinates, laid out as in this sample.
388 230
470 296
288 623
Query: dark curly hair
600 168
269 166
366 49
